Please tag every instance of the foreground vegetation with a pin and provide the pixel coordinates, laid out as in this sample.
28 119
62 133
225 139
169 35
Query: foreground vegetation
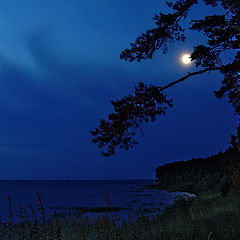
209 216
213 214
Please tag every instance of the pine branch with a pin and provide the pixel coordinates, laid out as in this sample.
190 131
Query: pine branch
190 75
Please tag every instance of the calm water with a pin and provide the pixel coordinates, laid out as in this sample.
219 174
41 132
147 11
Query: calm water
124 194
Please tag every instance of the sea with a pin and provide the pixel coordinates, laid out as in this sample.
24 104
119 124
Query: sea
129 195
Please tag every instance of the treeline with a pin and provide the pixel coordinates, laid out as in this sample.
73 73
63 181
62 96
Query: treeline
197 175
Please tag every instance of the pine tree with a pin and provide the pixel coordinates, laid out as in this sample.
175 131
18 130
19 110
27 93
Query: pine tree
223 35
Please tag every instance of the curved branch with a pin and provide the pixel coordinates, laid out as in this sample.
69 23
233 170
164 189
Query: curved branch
188 76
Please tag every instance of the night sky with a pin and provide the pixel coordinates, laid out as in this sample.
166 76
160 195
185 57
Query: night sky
60 68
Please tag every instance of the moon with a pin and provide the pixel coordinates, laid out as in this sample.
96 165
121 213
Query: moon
186 59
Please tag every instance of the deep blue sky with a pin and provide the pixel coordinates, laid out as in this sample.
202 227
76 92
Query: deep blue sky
59 69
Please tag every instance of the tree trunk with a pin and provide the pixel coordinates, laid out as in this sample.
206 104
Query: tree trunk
238 136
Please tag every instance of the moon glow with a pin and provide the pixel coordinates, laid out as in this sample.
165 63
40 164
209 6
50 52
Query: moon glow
186 59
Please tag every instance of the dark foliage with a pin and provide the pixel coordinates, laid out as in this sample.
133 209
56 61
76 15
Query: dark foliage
129 113
199 174
223 35
225 187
